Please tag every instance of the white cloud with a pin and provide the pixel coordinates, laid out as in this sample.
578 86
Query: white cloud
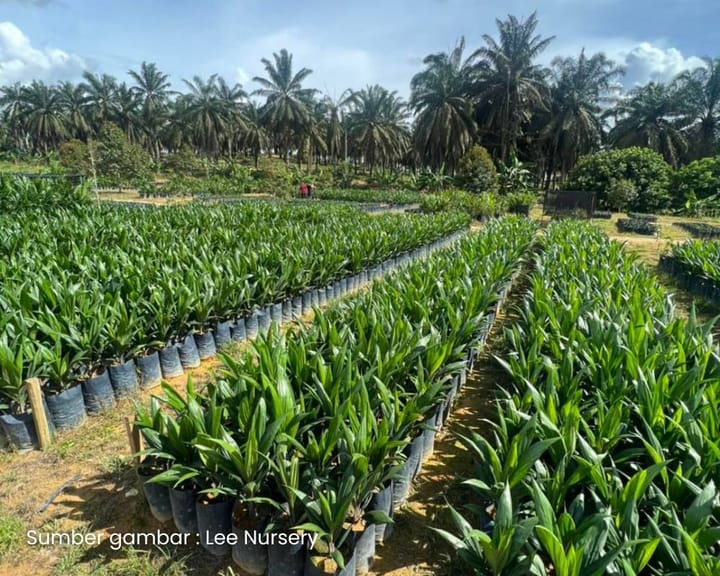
241 76
646 62
21 62
643 61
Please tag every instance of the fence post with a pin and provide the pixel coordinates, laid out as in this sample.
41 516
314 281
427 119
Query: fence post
135 439
38 413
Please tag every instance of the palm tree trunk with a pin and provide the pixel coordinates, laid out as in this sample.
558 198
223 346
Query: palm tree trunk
504 127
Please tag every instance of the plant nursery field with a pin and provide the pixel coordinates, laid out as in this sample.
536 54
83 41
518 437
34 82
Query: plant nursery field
312 390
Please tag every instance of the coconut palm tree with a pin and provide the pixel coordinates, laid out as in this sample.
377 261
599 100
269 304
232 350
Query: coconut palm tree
153 89
101 97
377 123
651 116
152 86
580 86
286 107
128 114
441 97
311 136
335 133
12 104
206 114
699 91
73 102
42 116
233 97
175 132
510 87
254 137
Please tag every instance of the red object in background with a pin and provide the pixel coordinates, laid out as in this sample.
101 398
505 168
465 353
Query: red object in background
303 189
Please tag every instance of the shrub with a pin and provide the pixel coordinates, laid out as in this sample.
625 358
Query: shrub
515 176
276 180
518 201
342 175
699 179
74 157
118 161
621 193
476 171
185 162
485 205
433 181
644 168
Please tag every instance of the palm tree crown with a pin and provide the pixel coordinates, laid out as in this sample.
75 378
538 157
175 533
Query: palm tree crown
441 96
651 116
511 87
699 91
580 87
286 100
377 122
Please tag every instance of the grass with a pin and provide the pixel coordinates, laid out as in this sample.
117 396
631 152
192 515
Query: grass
667 231
115 465
24 166
134 563
69 561
649 248
11 533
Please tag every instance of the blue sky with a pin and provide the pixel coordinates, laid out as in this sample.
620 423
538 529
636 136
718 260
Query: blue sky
347 44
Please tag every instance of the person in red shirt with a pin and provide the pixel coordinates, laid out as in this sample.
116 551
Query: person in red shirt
303 190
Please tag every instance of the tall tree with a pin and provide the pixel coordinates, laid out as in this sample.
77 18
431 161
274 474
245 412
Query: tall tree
12 103
335 134
175 133
42 116
73 101
441 96
377 121
206 114
233 96
254 138
128 114
580 88
152 86
101 98
311 138
286 100
153 89
699 91
511 86
651 116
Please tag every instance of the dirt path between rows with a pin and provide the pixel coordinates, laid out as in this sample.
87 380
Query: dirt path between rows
414 549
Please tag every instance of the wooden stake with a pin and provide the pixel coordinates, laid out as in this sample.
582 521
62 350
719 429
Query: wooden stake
134 438
42 428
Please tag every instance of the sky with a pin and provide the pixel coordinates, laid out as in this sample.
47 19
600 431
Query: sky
346 44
